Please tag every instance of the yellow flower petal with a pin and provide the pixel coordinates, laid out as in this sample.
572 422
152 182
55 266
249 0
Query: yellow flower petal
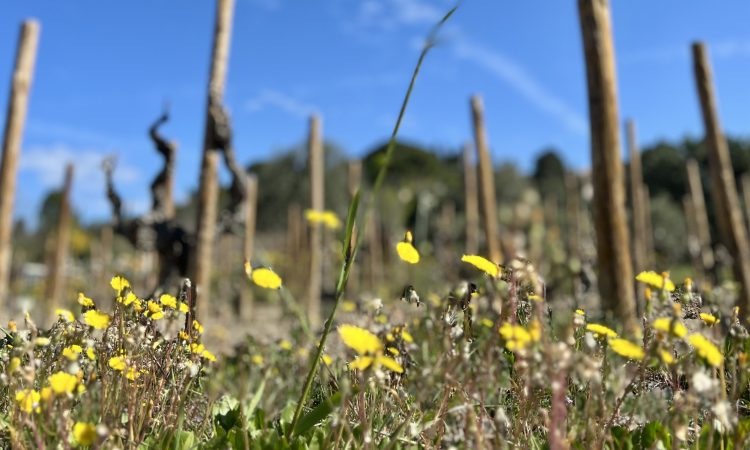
601 330
656 280
65 314
168 300
96 319
665 323
390 364
85 301
407 252
360 340
84 433
626 348
482 264
706 349
708 319
117 363
265 278
361 363
62 382
119 283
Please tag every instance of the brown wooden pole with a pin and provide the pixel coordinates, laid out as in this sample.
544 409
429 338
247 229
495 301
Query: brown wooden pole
693 242
208 193
486 180
610 219
15 118
698 201
734 234
251 211
316 166
745 183
472 203
640 260
56 277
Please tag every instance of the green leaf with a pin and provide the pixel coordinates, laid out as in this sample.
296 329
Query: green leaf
226 412
317 415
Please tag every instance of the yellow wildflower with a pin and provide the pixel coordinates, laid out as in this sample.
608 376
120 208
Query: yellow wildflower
41 341
263 277
327 360
183 335
197 327
688 284
706 349
197 347
580 312
119 283
369 347
91 353
154 310
117 363
132 374
14 364
62 382
327 218
184 308
257 360
482 264
46 393
72 352
393 351
12 327
406 250
128 299
666 357
406 336
360 340
348 306
601 330
209 356
656 280
516 336
96 319
84 433
65 314
285 345
709 319
487 323
168 300
28 399
85 301
626 348
664 324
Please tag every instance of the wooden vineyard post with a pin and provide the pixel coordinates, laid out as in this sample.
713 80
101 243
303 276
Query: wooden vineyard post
209 188
694 248
251 211
610 219
733 232
472 203
56 277
640 240
316 166
486 180
15 118
745 183
698 203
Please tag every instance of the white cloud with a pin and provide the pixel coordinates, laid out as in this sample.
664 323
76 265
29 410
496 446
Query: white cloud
275 99
522 82
46 164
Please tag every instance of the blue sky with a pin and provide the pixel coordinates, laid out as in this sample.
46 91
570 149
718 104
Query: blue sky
105 69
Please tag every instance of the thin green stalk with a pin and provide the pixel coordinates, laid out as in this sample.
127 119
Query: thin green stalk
350 247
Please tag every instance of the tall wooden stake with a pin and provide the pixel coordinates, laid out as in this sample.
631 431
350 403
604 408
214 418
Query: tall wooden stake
251 210
610 219
471 202
745 183
209 186
316 166
15 118
694 246
56 277
486 180
733 230
698 201
640 260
